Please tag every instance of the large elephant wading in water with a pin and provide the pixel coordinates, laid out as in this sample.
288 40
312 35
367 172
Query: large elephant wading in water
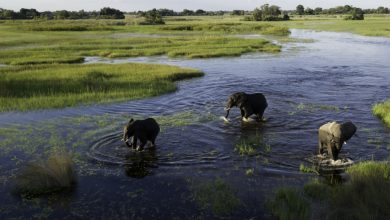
248 103
332 136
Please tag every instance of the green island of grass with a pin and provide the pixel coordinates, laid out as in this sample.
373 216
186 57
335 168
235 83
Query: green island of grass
382 111
53 42
56 86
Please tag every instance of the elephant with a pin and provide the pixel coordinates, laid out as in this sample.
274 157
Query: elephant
332 136
248 103
144 130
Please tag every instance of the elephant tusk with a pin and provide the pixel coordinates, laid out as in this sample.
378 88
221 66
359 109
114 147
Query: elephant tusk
345 142
122 139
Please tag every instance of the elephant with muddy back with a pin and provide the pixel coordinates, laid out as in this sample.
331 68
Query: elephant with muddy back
248 104
332 136
143 130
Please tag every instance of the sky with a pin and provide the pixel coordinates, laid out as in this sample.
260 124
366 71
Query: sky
179 5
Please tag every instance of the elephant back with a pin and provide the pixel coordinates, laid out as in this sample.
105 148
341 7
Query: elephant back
332 128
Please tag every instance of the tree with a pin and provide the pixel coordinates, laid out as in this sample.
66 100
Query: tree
238 12
153 17
187 12
111 13
357 14
300 9
25 13
317 10
268 13
200 12
382 10
63 14
257 15
309 11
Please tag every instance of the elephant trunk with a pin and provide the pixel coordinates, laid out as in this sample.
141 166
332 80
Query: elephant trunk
227 112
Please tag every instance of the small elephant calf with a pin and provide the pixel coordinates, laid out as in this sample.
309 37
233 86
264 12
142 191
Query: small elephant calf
332 136
248 103
144 130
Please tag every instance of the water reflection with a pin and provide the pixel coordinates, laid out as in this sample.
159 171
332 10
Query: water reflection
140 164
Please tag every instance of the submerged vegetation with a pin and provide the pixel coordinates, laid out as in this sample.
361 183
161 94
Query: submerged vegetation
217 196
382 111
57 86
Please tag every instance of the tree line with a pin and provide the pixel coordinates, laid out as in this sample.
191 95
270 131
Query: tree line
346 9
265 13
24 13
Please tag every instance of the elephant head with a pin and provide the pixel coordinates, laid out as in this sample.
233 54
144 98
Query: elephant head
342 133
128 131
237 99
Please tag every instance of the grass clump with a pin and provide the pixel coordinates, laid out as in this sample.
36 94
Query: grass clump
57 86
289 204
55 174
306 169
250 172
366 196
245 148
382 111
217 196
251 145
317 190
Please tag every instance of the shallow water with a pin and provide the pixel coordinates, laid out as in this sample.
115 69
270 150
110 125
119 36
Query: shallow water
337 77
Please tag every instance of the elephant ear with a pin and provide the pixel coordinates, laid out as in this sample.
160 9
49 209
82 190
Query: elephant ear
348 130
131 121
242 99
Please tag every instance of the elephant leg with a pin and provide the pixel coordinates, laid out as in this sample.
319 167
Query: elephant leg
332 151
320 148
153 144
242 112
127 144
141 146
260 115
134 144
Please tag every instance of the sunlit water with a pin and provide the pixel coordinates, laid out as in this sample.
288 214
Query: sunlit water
337 77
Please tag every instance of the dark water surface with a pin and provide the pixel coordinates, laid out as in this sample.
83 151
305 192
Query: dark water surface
338 77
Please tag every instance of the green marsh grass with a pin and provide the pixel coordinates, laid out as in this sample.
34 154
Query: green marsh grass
317 190
56 86
365 196
289 204
38 41
382 111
